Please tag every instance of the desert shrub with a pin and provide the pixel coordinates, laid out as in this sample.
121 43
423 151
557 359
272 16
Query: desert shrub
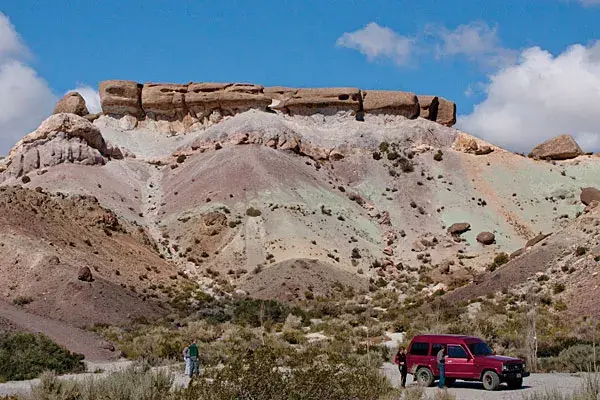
293 337
443 394
501 259
253 212
136 382
558 288
22 300
269 373
438 156
181 158
155 345
414 393
577 358
383 147
26 356
253 312
406 165
25 179
580 251
392 155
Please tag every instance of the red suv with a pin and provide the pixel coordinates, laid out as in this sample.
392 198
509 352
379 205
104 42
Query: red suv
469 359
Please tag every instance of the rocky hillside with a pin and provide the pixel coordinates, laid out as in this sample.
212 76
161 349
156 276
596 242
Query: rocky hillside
272 192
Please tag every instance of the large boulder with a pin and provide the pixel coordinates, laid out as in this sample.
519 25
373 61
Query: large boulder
164 100
486 238
562 147
589 194
324 101
72 103
429 107
119 98
390 102
446 114
459 228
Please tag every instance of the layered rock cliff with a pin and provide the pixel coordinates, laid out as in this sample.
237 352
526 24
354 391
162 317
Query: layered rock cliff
205 102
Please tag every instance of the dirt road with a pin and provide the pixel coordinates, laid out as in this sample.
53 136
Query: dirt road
536 383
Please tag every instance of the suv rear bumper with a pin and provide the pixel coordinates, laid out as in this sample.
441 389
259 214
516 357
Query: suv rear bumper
508 376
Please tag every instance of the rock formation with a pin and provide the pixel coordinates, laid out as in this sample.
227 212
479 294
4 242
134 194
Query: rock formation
446 113
391 102
60 138
429 107
119 98
72 103
561 147
197 101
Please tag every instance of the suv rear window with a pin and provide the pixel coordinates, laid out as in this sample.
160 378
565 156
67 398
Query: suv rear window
419 349
435 348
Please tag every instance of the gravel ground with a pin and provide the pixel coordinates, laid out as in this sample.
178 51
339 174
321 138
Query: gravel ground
536 383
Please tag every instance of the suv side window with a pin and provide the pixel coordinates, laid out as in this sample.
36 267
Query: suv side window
456 352
435 348
419 349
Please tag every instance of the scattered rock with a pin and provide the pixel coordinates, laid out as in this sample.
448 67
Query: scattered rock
561 147
459 228
72 103
85 275
486 238
589 194
388 251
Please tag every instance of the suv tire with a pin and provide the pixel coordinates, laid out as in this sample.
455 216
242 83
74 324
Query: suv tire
424 377
515 383
490 380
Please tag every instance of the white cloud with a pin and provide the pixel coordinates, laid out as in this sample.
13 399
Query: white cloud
91 97
539 97
25 98
378 42
476 41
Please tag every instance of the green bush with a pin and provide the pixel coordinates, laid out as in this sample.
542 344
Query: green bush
578 358
501 259
253 212
26 356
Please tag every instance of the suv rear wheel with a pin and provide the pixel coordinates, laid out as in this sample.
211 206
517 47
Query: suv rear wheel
491 380
515 383
425 377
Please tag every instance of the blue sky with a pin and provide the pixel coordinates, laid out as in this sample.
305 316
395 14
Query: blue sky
455 49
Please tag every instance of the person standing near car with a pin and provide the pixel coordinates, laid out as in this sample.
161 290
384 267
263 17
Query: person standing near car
441 361
400 360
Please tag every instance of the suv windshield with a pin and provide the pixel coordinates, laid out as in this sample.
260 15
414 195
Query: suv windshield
480 349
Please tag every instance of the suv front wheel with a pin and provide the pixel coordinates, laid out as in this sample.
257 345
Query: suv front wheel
491 380
424 377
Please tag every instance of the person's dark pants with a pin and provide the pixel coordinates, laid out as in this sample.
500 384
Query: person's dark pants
403 372
194 366
442 369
